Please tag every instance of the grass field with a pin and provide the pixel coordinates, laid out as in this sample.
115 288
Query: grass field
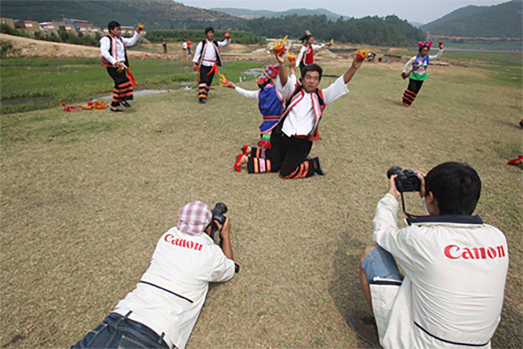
86 195
30 84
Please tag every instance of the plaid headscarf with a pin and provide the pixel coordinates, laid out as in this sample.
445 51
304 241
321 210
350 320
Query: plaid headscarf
271 71
194 218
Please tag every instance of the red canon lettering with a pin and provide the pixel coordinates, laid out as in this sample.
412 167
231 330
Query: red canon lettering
447 251
492 253
456 252
169 238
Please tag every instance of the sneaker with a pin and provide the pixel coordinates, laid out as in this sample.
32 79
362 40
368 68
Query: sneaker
125 104
116 110
203 100
365 327
317 166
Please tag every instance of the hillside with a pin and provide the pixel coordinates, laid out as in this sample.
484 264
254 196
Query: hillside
250 14
503 20
153 13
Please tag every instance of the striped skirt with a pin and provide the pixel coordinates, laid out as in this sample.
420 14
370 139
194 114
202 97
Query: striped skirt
123 90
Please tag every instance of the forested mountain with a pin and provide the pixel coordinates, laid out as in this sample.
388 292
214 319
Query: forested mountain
167 14
503 20
250 14
390 30
164 14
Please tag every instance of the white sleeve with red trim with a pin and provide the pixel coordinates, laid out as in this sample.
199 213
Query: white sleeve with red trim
337 89
105 43
318 47
247 94
287 90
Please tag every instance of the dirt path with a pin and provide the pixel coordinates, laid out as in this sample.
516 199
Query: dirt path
25 47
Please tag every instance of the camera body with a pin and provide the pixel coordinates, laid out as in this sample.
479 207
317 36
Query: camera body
217 216
406 180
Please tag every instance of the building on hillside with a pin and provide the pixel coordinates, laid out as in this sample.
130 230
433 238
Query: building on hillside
8 21
64 25
126 31
30 26
49 27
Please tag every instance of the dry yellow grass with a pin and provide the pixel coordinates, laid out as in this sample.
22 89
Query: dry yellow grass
86 195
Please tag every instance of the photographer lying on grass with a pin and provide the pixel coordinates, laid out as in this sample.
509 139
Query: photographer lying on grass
162 311
455 268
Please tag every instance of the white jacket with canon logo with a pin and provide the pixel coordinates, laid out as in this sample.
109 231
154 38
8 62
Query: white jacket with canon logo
170 295
455 271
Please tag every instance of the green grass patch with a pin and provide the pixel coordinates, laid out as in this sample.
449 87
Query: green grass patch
42 83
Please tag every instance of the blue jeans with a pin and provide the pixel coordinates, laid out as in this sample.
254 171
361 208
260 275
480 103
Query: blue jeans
380 264
117 331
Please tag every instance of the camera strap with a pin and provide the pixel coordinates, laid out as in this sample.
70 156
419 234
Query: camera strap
409 215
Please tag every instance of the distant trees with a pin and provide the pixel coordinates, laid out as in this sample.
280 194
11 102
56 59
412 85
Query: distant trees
240 37
386 31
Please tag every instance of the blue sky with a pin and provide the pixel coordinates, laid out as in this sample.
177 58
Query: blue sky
423 11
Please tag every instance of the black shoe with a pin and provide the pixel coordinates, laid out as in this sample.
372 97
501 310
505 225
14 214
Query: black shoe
317 166
125 104
365 327
203 100
116 110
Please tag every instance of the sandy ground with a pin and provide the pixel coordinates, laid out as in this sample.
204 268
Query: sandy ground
25 47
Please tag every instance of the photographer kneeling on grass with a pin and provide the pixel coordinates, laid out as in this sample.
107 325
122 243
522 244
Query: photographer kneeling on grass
455 266
162 311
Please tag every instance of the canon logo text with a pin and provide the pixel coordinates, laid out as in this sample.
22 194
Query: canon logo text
183 243
457 252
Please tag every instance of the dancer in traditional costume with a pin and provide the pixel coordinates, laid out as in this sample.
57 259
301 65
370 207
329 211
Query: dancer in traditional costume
292 138
418 74
306 55
206 60
270 103
114 57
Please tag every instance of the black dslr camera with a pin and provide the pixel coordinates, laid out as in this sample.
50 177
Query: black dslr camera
406 181
217 216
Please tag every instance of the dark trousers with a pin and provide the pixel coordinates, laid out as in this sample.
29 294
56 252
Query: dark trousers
123 90
118 331
288 155
205 81
411 92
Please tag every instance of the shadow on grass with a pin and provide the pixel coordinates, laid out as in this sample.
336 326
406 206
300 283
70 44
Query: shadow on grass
395 101
511 124
344 286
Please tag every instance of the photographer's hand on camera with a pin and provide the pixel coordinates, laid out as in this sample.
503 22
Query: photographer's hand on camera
225 234
392 187
421 177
